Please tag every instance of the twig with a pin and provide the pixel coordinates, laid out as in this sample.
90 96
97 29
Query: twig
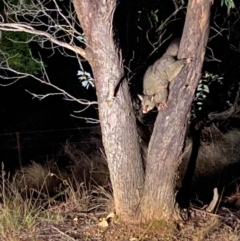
62 233
214 201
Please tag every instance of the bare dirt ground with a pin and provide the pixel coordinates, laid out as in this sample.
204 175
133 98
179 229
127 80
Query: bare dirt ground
77 226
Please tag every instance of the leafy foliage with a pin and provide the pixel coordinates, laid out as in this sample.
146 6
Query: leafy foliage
17 53
86 79
229 3
211 96
14 50
203 88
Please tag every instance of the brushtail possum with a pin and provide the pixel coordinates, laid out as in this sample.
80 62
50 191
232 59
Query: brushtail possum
158 76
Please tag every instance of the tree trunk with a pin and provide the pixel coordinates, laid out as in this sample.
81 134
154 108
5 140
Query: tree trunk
117 120
116 116
167 140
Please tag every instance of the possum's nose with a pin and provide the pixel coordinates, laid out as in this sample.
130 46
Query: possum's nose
144 111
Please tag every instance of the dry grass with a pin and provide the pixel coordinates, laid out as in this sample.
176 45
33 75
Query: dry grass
42 203
42 194
24 215
87 167
18 213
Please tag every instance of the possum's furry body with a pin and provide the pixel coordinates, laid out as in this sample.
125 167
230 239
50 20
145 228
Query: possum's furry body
158 76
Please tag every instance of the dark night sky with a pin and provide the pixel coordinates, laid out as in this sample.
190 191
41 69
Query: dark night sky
20 112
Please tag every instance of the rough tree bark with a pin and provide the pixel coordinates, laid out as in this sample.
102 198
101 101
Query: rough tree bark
165 148
116 116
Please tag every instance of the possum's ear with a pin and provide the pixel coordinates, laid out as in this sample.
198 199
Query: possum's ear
140 97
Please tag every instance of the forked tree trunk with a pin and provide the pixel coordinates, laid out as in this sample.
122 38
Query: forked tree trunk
167 140
116 116
117 120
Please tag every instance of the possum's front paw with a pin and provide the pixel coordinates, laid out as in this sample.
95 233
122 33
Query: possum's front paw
162 106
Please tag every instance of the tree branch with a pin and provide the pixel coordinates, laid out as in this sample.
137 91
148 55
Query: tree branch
14 27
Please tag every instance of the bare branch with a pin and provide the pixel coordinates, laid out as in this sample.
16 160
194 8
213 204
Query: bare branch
88 120
14 27
47 82
211 57
161 30
45 23
169 19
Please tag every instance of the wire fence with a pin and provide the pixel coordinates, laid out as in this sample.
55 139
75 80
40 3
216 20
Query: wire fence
19 148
